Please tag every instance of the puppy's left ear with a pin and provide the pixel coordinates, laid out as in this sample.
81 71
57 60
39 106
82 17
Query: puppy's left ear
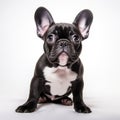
43 20
83 22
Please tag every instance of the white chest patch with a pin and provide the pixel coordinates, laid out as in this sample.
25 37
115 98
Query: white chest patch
59 79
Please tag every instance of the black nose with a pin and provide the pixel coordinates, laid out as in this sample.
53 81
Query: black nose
63 43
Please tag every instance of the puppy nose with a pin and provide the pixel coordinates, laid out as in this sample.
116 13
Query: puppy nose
63 43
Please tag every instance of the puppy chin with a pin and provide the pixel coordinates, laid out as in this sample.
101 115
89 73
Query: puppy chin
63 59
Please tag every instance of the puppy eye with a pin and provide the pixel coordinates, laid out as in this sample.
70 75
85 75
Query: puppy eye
75 38
51 38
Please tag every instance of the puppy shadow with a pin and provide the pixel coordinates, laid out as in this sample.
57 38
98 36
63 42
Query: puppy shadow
40 105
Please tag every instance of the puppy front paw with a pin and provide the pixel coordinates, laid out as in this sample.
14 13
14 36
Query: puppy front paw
82 109
27 107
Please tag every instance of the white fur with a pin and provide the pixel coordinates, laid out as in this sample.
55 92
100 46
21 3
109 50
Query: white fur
63 58
59 79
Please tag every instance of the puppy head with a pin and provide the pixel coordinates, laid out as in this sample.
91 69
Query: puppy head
62 41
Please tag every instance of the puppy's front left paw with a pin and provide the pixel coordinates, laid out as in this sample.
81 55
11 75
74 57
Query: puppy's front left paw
82 109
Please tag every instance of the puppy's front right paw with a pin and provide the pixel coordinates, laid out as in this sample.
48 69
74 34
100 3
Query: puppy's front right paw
24 109
27 107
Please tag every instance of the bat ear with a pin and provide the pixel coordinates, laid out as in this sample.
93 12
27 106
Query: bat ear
83 22
43 21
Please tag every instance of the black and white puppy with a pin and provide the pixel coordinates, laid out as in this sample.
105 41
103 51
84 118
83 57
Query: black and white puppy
59 71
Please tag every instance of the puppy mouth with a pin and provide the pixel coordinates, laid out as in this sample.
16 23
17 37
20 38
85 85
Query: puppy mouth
63 59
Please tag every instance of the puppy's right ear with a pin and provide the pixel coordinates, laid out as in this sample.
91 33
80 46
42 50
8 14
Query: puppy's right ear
43 20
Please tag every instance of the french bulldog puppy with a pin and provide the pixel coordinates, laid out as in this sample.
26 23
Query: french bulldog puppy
59 71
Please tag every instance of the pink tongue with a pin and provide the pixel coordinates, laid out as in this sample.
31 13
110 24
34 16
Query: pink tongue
63 58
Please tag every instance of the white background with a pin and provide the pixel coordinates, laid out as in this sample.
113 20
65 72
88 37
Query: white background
20 49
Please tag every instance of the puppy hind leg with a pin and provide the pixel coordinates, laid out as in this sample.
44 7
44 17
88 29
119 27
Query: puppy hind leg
64 101
43 99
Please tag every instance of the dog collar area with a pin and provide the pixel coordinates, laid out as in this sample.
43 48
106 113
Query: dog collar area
62 66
